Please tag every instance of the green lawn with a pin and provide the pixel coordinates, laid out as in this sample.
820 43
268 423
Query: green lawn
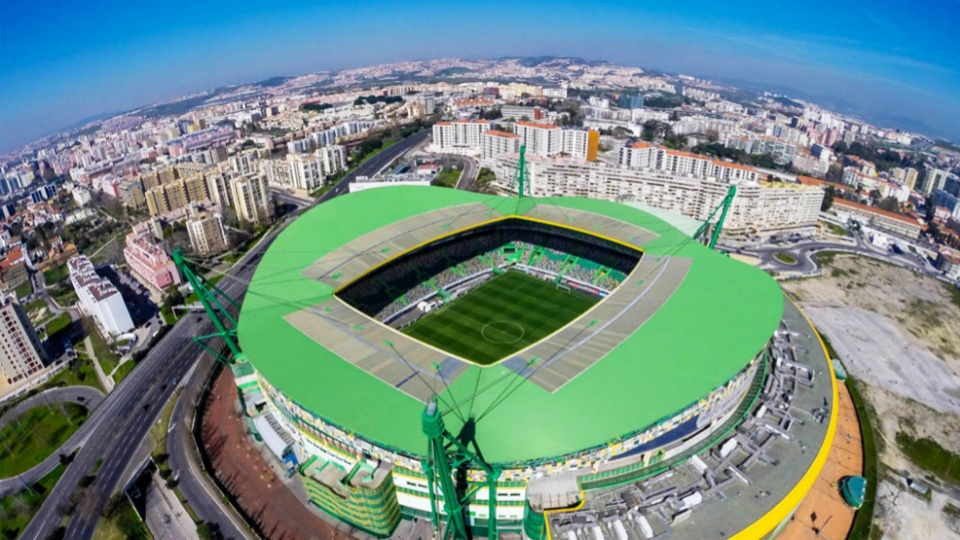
835 229
448 178
124 370
17 509
36 434
56 274
80 372
24 289
57 324
105 355
930 456
864 527
500 317
785 258
121 523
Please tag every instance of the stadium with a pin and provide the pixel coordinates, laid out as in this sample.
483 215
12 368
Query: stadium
576 345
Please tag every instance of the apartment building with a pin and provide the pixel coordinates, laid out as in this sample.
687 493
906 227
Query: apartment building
206 232
933 180
880 219
13 267
251 199
21 355
459 137
98 298
759 207
495 142
644 156
543 140
149 262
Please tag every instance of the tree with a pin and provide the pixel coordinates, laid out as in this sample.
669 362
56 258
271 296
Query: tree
828 197
173 296
491 114
890 204
840 147
674 116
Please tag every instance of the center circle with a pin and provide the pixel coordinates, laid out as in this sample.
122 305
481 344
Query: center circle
502 332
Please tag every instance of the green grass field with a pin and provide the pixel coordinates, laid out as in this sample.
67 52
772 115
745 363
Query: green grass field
500 317
36 434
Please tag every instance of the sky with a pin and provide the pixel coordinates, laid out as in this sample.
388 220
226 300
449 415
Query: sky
61 61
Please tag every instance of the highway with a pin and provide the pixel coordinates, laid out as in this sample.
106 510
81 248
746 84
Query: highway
116 430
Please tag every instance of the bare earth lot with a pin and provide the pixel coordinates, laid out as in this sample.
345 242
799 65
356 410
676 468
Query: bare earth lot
899 333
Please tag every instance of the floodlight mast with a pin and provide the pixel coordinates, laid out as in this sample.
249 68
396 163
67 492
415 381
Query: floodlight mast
723 207
209 295
521 174
446 455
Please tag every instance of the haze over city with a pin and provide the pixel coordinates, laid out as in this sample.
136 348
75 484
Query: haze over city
60 63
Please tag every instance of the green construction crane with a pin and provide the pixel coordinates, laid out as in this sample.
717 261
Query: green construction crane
448 456
210 296
723 207
520 177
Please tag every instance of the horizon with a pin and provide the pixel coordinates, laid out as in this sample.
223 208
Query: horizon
897 69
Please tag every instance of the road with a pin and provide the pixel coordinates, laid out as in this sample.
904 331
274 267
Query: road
468 177
803 252
373 165
118 427
87 396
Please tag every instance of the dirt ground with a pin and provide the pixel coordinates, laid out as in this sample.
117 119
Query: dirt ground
921 305
908 517
242 469
898 332
823 514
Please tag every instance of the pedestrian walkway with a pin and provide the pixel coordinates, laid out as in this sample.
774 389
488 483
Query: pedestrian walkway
105 380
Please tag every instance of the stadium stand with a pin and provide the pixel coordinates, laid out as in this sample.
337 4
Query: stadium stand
434 268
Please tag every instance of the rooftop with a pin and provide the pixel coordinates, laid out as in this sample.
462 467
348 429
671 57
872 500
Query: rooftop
654 372
876 211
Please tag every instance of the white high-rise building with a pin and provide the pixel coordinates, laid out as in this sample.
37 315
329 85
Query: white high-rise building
305 172
251 199
459 137
98 298
21 356
547 140
206 233
759 207
543 140
495 142
647 157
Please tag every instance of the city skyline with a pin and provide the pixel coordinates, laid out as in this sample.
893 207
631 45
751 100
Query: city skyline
894 68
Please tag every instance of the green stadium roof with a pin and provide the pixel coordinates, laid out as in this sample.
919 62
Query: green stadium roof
718 319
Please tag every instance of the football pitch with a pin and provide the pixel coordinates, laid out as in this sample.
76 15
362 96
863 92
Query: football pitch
504 315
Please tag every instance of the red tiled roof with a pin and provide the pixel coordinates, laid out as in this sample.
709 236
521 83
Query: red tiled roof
877 211
536 125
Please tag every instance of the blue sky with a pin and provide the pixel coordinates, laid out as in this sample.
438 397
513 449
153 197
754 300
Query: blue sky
63 61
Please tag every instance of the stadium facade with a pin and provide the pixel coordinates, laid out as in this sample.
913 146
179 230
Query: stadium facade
669 358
